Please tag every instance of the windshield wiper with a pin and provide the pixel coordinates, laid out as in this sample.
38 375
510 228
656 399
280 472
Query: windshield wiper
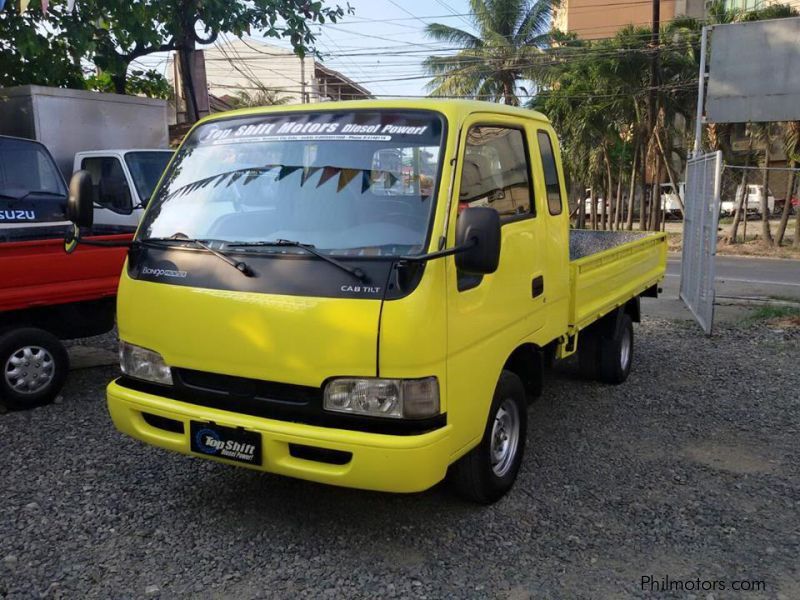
183 238
354 271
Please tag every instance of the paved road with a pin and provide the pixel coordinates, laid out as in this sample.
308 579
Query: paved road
739 276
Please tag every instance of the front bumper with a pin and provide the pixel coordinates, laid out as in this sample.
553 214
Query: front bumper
389 463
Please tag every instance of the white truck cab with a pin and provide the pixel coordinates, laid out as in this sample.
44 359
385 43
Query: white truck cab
123 181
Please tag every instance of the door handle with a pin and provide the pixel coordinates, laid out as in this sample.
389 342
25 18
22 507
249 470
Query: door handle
537 286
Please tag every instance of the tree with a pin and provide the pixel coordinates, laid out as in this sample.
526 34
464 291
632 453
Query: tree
263 96
114 33
111 34
511 35
31 55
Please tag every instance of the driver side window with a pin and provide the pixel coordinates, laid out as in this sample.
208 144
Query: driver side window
109 185
495 172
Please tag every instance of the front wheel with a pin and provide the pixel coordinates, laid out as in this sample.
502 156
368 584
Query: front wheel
33 367
489 470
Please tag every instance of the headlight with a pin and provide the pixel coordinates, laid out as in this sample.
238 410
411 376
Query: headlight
395 398
143 364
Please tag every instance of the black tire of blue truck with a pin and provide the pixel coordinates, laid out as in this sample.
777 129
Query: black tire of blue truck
486 473
33 367
616 353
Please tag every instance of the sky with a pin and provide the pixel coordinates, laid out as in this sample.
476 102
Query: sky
381 46
360 45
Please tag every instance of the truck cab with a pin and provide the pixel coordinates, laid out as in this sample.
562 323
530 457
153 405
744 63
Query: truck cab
122 183
46 295
366 294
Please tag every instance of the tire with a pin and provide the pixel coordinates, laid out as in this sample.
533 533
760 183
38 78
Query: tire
616 353
588 353
487 472
33 368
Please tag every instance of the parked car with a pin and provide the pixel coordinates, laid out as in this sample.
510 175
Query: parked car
122 183
46 295
670 202
280 311
752 203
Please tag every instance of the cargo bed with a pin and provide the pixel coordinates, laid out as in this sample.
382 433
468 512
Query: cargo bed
608 268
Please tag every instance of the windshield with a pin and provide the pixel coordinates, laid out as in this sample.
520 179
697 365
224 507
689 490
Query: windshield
146 169
26 168
350 183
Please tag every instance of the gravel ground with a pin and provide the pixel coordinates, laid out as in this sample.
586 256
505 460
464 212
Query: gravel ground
680 472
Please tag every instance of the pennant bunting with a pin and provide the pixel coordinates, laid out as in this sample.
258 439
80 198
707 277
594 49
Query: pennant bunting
366 180
2 4
345 177
391 178
327 173
45 6
308 172
286 170
23 5
70 5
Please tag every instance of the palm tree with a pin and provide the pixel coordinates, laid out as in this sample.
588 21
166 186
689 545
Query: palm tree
511 35
262 96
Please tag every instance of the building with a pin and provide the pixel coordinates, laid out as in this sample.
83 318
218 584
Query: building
247 65
595 19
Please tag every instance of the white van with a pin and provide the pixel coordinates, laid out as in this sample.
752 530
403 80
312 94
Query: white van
753 202
123 181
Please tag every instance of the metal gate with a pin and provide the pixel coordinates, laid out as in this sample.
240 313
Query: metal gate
703 175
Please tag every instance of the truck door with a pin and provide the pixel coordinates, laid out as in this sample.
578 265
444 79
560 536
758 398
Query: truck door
489 315
113 201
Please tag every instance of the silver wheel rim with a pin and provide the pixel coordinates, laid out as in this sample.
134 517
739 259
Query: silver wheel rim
29 370
625 349
505 437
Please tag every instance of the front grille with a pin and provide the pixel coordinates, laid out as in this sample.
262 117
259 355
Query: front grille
243 387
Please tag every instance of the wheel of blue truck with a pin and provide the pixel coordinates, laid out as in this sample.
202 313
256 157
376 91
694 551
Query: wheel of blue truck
489 470
33 367
616 353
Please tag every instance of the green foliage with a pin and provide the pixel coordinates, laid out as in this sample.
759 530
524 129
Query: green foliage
263 96
31 55
110 34
511 36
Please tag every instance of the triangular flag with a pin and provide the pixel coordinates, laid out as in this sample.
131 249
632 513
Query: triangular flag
345 177
70 5
45 6
327 173
2 4
391 179
366 180
308 172
23 5
286 170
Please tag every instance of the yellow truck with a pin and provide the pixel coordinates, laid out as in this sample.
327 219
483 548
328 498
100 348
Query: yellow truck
366 293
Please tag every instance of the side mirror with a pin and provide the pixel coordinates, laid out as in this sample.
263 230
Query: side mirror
478 228
80 208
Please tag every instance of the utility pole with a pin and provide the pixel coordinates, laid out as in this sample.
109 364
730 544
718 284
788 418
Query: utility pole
652 112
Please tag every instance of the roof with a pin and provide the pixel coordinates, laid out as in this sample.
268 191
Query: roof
332 73
454 109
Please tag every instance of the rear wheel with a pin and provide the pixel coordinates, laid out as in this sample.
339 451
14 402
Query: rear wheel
33 367
616 353
489 470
